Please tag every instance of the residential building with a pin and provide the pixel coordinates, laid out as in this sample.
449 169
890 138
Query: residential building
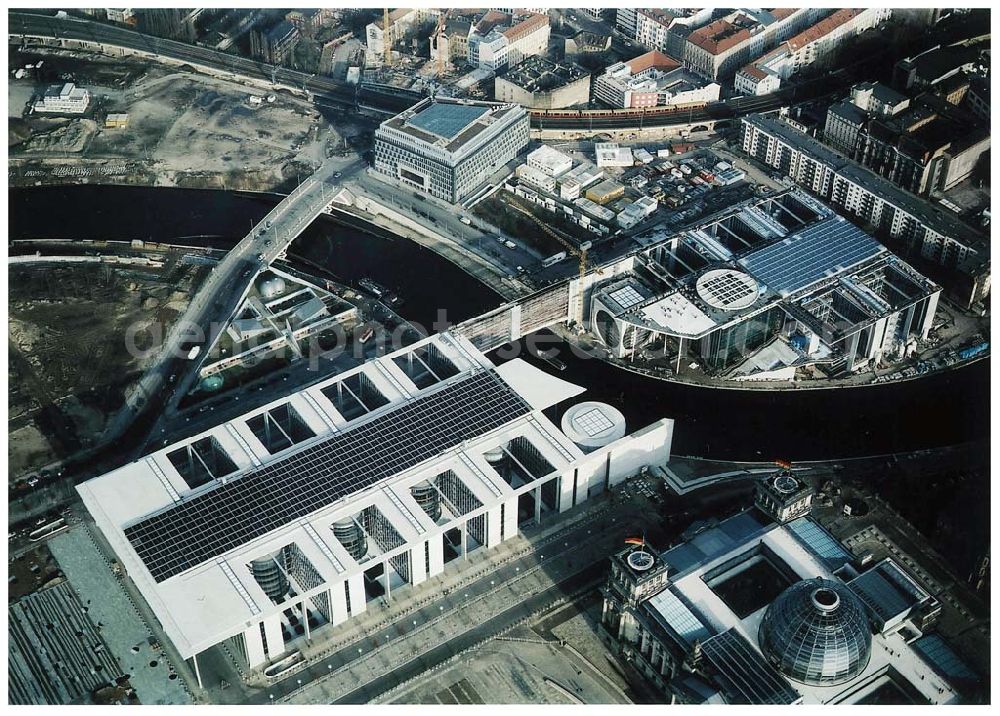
308 21
400 21
652 80
452 41
63 99
978 98
667 30
878 99
313 509
449 148
275 45
813 48
123 16
844 124
541 84
720 48
500 42
754 610
936 65
920 227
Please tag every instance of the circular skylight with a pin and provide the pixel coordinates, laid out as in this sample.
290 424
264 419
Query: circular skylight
727 289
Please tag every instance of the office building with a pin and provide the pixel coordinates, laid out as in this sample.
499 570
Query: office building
550 161
449 148
844 124
652 80
63 99
771 274
317 507
918 226
754 610
540 84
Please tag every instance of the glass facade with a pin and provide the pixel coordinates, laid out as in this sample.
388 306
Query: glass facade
723 349
817 633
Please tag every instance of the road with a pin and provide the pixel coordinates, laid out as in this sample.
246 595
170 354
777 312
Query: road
447 621
218 299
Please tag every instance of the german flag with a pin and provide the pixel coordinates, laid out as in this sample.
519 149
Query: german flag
787 464
635 540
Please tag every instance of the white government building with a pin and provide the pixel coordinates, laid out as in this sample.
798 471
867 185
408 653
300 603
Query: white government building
306 511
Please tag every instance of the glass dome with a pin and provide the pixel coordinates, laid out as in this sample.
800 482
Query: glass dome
816 632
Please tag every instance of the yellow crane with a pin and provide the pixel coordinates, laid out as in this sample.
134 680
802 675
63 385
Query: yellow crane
579 251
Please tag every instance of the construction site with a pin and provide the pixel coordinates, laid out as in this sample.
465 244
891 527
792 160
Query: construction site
69 368
154 125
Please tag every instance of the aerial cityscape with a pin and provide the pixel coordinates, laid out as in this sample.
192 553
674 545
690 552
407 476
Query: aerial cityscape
498 356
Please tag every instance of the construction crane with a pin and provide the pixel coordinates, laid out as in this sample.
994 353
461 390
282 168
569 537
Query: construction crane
580 252
386 42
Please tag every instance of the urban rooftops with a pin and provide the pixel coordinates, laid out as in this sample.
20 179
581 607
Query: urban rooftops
539 74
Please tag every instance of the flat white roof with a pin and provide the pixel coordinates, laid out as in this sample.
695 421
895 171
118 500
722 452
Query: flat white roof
218 597
679 316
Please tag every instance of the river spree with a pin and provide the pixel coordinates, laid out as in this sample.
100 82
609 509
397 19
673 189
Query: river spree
941 409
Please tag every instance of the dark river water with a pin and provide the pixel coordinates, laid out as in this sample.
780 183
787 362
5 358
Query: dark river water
944 409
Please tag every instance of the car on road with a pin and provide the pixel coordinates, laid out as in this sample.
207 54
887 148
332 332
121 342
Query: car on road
336 175
466 220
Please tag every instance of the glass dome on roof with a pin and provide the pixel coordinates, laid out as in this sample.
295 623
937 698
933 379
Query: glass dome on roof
816 632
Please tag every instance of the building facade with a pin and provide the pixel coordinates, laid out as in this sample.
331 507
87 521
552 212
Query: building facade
919 226
315 508
720 48
752 610
63 99
450 148
652 80
739 289
541 84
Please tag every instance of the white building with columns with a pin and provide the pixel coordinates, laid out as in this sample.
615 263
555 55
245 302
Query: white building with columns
305 512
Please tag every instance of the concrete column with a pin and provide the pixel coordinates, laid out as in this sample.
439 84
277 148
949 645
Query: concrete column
305 618
273 636
356 586
338 602
197 671
567 485
418 563
510 519
493 527
537 492
253 645
465 545
437 555
385 578
932 303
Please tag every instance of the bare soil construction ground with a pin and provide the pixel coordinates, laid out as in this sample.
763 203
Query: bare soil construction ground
69 366
184 128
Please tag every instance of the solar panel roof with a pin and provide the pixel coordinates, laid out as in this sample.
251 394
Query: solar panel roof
823 249
212 523
446 120
820 542
743 674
